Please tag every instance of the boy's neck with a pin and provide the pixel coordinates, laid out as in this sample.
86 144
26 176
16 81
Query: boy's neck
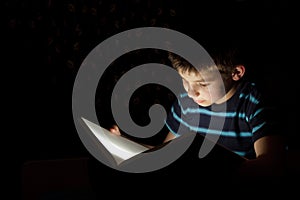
228 95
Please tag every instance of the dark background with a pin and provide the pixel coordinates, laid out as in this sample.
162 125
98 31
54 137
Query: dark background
45 42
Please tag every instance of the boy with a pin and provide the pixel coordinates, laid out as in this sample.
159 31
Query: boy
247 129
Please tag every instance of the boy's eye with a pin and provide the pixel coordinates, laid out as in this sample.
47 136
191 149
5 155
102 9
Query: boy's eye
202 84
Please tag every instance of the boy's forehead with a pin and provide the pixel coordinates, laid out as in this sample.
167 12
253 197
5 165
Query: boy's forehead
198 76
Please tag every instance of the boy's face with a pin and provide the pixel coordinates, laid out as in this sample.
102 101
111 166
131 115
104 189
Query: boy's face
204 88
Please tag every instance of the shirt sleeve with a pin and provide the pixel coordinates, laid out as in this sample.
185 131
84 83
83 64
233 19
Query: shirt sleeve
263 120
174 120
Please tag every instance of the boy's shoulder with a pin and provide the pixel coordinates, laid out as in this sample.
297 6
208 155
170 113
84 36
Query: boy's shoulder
249 91
248 87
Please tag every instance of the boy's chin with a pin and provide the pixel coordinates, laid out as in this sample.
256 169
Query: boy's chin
204 104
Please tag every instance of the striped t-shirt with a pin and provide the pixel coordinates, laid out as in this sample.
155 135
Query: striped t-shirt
239 122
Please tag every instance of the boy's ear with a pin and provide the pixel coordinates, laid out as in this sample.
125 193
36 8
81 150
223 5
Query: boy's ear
238 72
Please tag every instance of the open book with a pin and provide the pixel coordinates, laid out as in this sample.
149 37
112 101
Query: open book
120 147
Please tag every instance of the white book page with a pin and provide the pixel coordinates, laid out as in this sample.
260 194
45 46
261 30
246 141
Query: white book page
121 148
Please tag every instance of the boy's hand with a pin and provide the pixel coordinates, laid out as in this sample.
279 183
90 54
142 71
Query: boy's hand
115 130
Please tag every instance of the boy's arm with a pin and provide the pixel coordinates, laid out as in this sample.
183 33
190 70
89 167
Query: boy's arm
170 136
115 130
270 158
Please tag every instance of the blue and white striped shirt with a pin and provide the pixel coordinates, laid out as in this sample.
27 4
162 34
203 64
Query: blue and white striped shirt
244 119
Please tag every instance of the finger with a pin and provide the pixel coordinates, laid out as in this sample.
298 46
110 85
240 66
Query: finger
115 130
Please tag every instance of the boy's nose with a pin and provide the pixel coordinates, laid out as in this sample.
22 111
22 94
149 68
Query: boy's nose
193 93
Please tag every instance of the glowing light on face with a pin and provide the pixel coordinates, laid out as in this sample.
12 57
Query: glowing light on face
204 87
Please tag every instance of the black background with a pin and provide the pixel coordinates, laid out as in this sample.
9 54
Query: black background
45 42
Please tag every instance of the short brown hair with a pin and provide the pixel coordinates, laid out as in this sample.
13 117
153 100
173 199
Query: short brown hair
225 59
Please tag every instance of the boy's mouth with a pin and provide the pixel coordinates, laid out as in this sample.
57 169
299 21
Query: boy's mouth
199 101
